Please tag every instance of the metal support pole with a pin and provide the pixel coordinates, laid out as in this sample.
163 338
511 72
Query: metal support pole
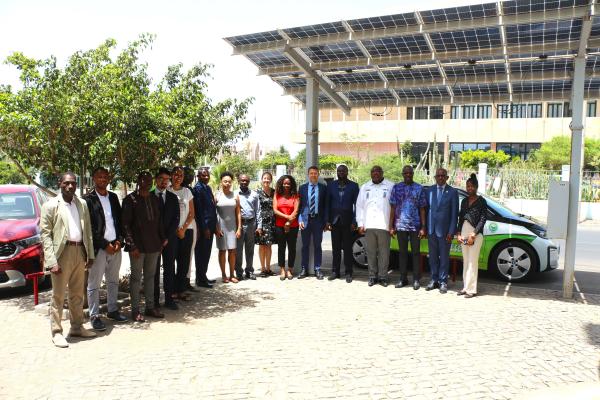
312 122
575 174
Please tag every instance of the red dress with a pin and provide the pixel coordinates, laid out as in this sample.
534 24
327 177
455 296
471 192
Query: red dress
285 206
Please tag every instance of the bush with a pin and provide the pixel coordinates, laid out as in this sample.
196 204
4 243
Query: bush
276 157
557 152
471 159
391 164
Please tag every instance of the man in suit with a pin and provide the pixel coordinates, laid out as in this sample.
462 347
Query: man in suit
312 220
206 222
68 250
105 215
341 202
441 222
169 214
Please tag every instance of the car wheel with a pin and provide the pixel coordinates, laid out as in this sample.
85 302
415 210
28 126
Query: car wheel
513 261
359 252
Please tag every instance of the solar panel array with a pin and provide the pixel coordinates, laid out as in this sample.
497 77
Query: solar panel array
460 54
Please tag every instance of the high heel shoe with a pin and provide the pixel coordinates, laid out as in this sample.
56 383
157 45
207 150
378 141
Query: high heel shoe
282 275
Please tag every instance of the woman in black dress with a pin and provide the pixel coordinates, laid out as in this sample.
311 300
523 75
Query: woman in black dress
265 222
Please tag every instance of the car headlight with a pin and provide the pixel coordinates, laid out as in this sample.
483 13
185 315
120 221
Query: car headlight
28 242
541 232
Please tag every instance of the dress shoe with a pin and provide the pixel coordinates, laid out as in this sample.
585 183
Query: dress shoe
171 305
383 282
82 332
333 276
116 316
319 275
432 285
190 288
303 274
401 284
211 281
372 281
240 277
461 293
97 324
416 285
59 340
469 295
154 313
207 285
250 276
443 288
348 278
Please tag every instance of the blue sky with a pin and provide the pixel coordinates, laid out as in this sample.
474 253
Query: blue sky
187 32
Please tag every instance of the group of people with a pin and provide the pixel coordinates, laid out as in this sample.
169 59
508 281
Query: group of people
166 220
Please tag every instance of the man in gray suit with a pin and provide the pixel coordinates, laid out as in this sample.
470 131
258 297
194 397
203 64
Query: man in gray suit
66 233
441 221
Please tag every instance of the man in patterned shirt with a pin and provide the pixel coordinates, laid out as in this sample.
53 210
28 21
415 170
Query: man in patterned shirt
407 222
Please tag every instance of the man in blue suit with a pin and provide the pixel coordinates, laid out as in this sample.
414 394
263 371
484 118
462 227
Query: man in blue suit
341 203
206 222
312 220
441 221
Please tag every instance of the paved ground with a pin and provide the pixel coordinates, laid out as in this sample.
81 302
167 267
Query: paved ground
311 339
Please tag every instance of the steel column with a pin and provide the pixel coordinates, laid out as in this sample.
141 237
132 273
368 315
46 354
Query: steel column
312 122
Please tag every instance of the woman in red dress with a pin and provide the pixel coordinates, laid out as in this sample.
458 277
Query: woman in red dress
285 207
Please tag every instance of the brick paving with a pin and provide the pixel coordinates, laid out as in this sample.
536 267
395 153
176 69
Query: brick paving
309 339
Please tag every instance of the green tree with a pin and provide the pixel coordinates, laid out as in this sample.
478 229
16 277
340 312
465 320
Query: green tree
239 163
557 152
470 159
276 157
9 173
331 161
391 164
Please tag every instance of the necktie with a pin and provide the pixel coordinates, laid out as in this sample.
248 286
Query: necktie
439 193
311 202
161 201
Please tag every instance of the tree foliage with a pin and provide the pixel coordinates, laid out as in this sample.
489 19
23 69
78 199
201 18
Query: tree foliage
238 163
391 164
9 173
470 159
276 157
557 152
101 109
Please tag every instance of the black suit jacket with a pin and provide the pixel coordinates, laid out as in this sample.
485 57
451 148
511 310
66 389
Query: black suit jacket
169 213
304 204
97 218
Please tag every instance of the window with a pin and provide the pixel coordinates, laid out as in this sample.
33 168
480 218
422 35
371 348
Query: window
455 112
554 110
436 112
503 111
409 113
470 146
568 112
518 111
484 146
534 111
420 112
484 111
591 109
468 112
521 150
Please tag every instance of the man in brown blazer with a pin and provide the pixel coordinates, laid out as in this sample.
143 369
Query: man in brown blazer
68 249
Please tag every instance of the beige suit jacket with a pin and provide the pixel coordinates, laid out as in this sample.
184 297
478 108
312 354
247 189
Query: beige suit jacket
54 226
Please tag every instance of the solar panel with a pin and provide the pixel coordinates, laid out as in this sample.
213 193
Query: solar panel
412 73
595 28
370 95
302 32
416 93
528 6
592 85
323 99
354 77
543 32
392 46
593 63
254 38
269 58
472 70
386 21
333 52
541 66
481 89
472 39
541 87
460 13
292 82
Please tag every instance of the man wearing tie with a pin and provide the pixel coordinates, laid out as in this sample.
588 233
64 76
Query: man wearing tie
341 200
442 218
312 219
169 215
206 221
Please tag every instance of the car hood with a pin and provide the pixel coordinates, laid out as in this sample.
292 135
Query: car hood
522 220
17 229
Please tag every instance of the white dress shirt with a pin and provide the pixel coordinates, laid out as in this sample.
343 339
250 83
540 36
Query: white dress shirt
373 205
75 234
109 225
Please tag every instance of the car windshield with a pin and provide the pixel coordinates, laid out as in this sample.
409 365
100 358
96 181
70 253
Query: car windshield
499 209
16 206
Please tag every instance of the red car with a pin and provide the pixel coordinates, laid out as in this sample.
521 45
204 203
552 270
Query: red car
20 244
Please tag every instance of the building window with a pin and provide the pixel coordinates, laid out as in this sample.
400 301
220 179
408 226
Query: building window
409 113
484 111
520 150
518 111
484 146
534 111
568 112
503 111
420 112
455 112
436 112
591 109
468 112
555 110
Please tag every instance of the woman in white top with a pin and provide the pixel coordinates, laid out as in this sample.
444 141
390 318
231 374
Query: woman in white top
229 225
185 233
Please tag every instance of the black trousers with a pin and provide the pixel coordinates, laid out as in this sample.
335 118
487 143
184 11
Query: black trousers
341 240
184 253
168 262
202 256
415 244
284 239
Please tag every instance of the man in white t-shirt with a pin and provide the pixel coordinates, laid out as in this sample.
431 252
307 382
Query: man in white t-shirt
372 218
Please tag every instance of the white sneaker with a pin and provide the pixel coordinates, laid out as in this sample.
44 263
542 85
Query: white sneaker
59 340
82 332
